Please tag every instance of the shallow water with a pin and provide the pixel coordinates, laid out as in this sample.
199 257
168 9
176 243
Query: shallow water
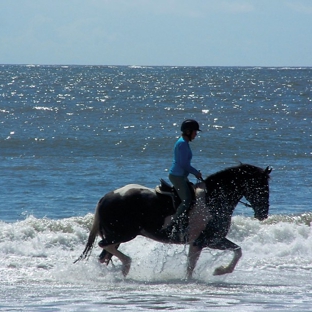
38 273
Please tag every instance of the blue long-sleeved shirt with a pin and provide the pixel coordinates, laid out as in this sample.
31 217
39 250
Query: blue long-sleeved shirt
182 156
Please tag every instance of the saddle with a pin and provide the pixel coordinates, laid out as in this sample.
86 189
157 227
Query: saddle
166 189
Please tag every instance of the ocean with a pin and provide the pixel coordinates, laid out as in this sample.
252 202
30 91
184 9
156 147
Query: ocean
70 134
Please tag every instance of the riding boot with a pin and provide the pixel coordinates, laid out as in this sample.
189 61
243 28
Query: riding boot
169 231
183 223
177 229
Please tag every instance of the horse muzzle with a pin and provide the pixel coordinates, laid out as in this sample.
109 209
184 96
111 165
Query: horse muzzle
261 217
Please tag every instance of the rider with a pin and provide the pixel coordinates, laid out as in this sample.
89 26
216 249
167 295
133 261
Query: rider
178 175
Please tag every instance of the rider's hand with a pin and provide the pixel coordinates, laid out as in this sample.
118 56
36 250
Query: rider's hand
199 176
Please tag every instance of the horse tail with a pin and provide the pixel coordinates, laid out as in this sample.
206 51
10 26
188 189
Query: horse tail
92 236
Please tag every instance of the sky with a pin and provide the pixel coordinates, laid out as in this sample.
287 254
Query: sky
157 32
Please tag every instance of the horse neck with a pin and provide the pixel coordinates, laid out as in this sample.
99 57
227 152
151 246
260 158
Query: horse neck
227 191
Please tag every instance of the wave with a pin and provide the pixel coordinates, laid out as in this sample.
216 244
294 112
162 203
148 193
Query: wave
43 251
75 230
300 219
32 226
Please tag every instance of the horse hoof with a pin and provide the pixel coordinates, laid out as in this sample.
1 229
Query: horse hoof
105 257
220 271
189 279
126 267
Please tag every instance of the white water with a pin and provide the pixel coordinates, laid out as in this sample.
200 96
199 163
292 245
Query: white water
37 270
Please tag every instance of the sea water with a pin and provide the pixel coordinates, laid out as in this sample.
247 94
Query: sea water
70 134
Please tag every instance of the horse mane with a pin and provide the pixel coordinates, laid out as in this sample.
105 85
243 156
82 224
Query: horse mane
231 172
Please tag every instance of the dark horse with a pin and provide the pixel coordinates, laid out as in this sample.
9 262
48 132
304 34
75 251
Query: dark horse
134 210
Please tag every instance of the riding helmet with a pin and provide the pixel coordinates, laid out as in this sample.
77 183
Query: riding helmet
190 124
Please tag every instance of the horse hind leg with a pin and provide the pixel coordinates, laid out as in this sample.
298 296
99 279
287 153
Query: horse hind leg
105 256
111 250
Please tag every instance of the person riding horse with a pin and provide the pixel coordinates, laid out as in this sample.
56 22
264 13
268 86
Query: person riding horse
178 175
123 214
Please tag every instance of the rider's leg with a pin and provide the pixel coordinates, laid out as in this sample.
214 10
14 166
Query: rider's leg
184 192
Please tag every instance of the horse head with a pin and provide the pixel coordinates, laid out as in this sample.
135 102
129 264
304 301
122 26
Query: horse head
257 190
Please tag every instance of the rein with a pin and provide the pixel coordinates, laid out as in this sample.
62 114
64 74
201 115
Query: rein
202 180
246 204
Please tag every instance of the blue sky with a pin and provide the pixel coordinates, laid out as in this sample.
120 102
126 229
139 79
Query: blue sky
157 32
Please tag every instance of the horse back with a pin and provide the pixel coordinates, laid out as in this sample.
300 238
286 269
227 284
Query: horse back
126 211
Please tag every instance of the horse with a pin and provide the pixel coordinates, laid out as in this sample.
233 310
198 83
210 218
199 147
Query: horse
134 210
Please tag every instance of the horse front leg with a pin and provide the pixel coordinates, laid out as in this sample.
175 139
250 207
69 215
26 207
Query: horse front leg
192 258
225 244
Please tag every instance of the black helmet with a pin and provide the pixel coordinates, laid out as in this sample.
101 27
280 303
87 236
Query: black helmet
190 124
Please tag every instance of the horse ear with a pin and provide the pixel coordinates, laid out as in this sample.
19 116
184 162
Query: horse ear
267 170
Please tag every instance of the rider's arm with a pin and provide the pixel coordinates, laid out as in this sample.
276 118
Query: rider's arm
185 156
